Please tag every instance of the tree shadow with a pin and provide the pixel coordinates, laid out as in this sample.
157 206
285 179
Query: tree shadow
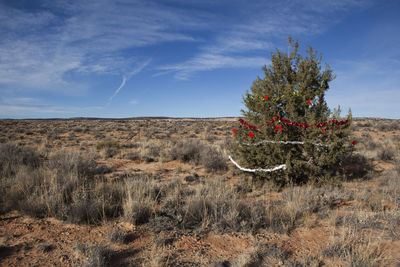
355 166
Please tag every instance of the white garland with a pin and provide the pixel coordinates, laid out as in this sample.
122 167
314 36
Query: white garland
283 142
283 166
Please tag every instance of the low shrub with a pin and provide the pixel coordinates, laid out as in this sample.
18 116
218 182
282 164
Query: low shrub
131 155
107 144
189 151
213 160
386 153
110 152
11 156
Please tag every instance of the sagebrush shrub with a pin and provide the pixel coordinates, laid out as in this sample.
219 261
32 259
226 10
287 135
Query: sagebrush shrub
213 160
386 153
11 156
107 144
187 151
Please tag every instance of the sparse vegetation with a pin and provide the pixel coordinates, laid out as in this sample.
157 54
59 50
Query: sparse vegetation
95 255
172 197
120 235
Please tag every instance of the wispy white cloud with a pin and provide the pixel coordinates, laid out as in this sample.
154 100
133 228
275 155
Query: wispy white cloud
36 108
39 50
88 36
260 24
208 62
18 100
44 49
369 87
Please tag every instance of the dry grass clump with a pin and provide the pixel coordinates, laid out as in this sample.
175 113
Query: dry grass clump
300 202
159 257
142 194
151 151
217 206
110 148
66 187
96 255
262 255
107 144
353 250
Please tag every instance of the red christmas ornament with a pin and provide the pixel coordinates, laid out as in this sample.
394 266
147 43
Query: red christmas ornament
309 102
278 128
354 143
235 131
251 135
266 97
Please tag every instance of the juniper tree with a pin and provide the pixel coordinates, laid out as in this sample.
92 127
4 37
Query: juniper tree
288 104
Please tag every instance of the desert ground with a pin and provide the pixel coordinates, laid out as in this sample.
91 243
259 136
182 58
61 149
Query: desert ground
162 192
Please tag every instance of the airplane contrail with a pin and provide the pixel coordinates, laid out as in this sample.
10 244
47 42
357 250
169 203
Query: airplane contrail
119 88
129 75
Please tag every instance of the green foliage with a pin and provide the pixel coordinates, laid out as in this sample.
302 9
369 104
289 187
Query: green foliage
290 81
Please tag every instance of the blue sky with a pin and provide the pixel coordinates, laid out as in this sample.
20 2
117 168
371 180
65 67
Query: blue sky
187 58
